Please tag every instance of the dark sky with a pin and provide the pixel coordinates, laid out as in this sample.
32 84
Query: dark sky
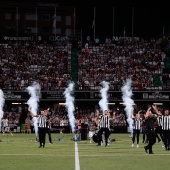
148 20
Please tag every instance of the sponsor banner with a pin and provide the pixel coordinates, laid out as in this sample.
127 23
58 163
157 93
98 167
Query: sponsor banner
30 38
116 38
91 95
58 38
52 95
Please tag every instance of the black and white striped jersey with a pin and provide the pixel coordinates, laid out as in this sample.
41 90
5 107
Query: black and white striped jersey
159 118
166 122
104 122
42 121
137 123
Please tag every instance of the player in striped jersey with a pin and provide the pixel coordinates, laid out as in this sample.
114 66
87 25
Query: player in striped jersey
48 126
165 127
42 123
158 129
136 127
104 125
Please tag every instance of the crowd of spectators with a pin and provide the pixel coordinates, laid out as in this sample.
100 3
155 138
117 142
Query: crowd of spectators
23 63
115 61
50 65
19 115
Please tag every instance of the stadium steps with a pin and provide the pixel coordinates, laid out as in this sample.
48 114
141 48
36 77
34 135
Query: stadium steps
167 64
157 82
74 66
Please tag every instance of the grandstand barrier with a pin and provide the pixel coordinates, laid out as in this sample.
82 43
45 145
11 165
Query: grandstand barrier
84 133
120 129
87 95
14 129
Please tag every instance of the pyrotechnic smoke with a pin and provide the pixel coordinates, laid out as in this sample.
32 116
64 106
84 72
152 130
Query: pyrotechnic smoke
128 102
70 105
2 101
103 103
34 92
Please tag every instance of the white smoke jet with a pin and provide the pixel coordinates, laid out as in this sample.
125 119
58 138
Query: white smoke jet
34 92
128 102
103 103
70 105
2 101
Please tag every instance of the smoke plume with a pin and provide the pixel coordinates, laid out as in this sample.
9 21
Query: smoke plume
70 105
103 103
34 92
128 102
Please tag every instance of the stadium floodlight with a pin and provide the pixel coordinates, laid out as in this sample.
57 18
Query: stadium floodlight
158 103
111 103
16 103
128 103
62 103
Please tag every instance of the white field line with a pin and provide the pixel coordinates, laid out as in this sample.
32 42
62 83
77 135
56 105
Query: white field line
90 155
77 164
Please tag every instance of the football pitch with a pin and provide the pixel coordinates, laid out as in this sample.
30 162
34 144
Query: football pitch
21 152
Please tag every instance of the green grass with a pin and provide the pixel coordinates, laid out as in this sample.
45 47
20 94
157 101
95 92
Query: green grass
21 152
